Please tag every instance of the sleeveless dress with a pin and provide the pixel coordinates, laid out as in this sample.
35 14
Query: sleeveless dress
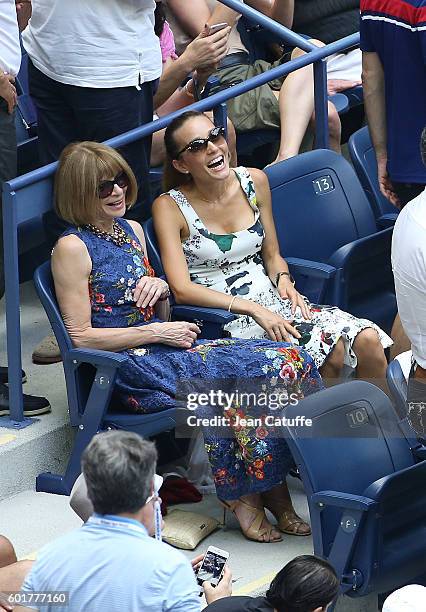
232 264
245 457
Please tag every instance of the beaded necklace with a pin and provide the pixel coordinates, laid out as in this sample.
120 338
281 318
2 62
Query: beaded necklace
118 235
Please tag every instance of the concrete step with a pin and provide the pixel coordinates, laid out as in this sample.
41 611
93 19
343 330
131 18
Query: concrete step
44 445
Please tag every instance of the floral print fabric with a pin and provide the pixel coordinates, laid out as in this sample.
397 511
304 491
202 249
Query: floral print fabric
233 264
244 459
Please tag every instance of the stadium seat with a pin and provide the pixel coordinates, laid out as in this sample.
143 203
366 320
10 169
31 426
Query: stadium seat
365 490
89 377
364 160
322 215
211 320
397 386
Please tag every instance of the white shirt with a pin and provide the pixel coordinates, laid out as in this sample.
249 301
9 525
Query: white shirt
94 43
10 50
409 269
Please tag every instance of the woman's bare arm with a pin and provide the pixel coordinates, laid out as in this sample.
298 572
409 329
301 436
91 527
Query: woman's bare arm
71 268
278 10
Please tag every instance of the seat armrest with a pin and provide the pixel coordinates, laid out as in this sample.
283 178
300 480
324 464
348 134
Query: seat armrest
363 248
387 220
210 320
344 500
95 357
314 269
212 315
312 277
407 480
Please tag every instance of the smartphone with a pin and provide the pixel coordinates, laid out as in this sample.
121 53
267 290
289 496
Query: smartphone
215 27
212 566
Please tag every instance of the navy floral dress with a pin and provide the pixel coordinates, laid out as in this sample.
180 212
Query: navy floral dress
248 455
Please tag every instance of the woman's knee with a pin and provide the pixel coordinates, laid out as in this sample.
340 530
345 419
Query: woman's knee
368 342
334 124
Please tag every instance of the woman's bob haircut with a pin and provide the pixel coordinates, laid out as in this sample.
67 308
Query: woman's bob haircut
82 166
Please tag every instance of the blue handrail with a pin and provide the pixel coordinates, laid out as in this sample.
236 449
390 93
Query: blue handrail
14 213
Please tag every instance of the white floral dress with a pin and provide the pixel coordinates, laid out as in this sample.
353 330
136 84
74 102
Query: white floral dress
232 264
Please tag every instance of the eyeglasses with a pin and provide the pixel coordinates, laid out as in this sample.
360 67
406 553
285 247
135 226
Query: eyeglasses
200 144
105 188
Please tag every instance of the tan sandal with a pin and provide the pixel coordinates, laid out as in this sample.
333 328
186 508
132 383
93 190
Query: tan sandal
290 523
255 532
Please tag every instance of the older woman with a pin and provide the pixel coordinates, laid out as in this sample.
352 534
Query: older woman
110 299
219 249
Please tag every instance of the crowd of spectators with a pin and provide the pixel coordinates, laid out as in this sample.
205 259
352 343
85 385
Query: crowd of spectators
91 81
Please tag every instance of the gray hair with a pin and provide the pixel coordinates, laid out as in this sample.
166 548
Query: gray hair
423 145
119 467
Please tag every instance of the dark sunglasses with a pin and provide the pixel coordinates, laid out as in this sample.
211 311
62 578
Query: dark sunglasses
106 188
200 144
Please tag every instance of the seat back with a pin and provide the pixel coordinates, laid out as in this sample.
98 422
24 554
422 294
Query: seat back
318 205
354 440
397 386
152 247
363 158
78 380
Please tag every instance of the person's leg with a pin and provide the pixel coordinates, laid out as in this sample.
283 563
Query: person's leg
332 367
252 519
104 113
56 121
401 342
296 102
278 501
416 400
334 128
371 358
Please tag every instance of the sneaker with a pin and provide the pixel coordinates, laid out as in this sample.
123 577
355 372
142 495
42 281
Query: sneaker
4 376
33 405
47 351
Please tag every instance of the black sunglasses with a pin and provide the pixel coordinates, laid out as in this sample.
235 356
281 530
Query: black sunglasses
106 188
200 144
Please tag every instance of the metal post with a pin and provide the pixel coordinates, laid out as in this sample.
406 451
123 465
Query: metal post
321 105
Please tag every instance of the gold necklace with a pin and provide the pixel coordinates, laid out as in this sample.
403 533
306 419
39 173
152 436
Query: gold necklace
118 235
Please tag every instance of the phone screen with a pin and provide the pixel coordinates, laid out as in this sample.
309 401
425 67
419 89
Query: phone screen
211 568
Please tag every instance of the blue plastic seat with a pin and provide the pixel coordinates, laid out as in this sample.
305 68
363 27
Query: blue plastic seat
363 158
397 386
365 488
328 234
90 376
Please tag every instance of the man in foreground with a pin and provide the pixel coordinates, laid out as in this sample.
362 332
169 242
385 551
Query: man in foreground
111 562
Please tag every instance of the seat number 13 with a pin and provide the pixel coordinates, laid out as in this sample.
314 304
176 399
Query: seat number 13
323 184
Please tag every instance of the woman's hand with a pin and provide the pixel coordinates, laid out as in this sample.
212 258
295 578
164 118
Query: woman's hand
287 291
277 328
149 290
177 333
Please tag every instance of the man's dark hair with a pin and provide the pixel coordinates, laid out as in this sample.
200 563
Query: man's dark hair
304 584
423 145
118 467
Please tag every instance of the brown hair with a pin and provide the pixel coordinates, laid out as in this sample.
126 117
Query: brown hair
82 166
171 177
